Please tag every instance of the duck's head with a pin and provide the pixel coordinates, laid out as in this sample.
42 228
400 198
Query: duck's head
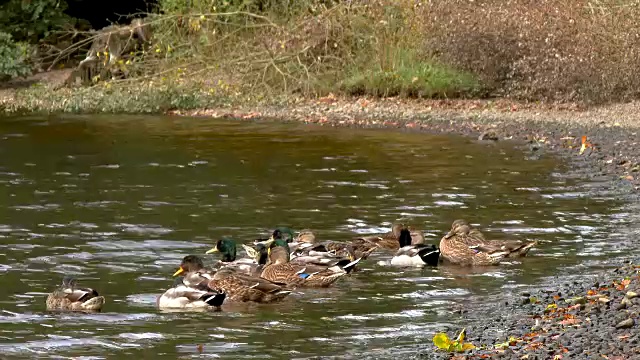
262 256
278 252
458 227
227 247
189 263
69 281
396 229
306 236
283 233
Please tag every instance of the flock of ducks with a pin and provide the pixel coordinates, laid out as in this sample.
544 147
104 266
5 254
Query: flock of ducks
274 267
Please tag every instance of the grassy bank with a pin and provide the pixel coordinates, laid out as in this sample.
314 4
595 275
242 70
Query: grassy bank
210 54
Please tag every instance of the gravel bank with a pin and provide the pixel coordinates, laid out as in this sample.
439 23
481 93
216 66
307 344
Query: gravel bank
573 320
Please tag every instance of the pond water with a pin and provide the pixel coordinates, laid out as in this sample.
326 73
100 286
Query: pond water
119 200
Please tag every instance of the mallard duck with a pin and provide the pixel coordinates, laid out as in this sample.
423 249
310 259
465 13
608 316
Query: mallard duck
389 240
181 296
455 248
238 287
414 255
305 236
286 234
69 296
281 232
227 248
476 238
279 269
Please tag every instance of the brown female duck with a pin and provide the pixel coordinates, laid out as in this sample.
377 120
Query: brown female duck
458 247
476 238
279 269
69 296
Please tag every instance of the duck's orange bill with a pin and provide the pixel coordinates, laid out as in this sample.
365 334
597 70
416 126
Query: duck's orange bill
180 271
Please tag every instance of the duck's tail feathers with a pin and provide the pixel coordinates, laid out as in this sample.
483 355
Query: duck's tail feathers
498 255
214 299
350 266
430 256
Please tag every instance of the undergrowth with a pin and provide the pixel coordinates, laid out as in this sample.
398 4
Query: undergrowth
256 50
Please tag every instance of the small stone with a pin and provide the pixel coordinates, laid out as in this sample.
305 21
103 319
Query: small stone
488 135
625 324
631 295
604 300
622 305
577 300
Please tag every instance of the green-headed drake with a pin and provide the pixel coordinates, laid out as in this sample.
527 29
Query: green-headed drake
249 265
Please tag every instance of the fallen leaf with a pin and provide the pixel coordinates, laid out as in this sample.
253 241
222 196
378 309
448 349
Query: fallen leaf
328 99
568 322
534 345
200 348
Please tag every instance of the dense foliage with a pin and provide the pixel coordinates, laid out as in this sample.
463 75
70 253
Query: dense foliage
14 57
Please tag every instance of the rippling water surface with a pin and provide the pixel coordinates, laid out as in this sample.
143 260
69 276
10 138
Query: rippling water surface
118 201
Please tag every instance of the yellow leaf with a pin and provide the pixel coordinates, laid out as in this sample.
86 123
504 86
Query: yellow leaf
468 346
551 306
582 148
442 341
461 336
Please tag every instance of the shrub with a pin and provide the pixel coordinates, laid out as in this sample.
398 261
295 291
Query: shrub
546 50
13 58
31 21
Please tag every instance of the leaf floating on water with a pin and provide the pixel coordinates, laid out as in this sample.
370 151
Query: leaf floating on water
200 348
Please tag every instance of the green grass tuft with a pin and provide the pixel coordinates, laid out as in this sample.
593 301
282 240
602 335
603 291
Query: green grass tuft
409 76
